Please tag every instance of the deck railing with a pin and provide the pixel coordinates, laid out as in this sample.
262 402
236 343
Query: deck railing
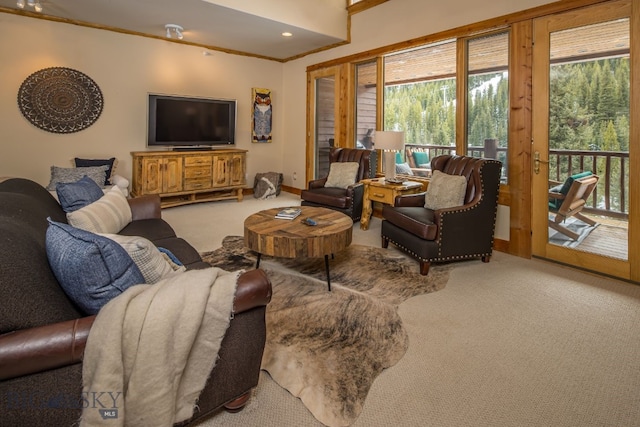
610 198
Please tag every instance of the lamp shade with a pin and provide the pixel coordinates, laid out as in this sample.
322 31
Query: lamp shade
389 140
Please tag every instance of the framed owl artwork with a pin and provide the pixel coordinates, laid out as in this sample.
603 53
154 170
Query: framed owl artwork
261 115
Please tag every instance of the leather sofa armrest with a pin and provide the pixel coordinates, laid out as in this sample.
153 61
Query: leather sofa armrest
145 207
317 183
253 290
42 348
412 200
38 349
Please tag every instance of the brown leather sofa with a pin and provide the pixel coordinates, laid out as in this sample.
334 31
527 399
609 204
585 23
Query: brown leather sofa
349 200
451 234
42 333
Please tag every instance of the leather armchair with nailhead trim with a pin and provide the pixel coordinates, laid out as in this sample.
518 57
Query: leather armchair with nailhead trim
463 232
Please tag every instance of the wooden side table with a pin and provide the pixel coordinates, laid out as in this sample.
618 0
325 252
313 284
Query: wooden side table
376 190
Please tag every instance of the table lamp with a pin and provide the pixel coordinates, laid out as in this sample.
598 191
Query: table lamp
390 142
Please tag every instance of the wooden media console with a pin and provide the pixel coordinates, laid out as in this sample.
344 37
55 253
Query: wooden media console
184 177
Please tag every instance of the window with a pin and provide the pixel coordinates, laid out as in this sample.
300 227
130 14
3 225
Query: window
420 97
487 127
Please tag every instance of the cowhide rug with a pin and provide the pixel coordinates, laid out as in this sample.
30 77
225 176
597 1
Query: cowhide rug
327 348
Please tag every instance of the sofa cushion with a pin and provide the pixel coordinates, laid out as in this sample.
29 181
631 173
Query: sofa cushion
327 196
109 163
110 214
30 293
47 205
75 195
63 175
342 174
91 269
153 229
181 249
416 220
445 191
152 264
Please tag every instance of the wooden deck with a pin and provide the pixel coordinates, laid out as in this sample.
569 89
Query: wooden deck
609 239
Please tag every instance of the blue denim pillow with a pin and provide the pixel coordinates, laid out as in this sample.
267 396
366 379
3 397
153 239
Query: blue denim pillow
75 195
91 269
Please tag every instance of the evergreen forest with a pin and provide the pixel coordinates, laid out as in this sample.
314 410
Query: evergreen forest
589 108
589 111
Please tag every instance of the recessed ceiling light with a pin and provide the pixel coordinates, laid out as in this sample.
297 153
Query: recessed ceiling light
287 34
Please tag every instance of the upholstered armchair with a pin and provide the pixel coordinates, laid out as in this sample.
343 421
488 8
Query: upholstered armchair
345 198
462 231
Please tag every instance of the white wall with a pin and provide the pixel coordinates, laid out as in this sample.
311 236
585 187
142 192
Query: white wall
126 68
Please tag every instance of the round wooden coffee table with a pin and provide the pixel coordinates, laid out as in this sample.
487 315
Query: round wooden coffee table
284 238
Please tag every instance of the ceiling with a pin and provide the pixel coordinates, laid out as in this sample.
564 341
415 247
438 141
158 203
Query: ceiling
205 24
488 54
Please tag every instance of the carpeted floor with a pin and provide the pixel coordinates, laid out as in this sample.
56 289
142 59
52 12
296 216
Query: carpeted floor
515 342
327 348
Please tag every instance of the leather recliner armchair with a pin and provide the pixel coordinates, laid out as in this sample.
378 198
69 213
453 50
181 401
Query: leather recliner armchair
349 200
457 233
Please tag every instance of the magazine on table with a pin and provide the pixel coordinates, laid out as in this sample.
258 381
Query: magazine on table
289 213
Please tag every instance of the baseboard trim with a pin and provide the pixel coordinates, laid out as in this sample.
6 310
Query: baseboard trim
292 190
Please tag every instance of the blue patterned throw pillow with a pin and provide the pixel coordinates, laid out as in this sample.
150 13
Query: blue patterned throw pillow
76 195
91 269
403 168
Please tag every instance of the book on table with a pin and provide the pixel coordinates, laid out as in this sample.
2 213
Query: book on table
288 213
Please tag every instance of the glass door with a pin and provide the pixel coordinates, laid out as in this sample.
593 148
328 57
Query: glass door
324 121
366 103
582 186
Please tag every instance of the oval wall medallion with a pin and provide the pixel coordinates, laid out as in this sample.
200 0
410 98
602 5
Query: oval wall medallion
60 100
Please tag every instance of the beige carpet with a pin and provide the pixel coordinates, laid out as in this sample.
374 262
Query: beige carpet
514 342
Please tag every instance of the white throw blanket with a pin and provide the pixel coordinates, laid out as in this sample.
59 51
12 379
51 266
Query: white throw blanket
151 349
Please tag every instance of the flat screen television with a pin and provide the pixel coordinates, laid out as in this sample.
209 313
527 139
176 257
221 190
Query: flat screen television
182 122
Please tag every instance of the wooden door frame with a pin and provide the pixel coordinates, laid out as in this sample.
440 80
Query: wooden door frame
341 111
542 27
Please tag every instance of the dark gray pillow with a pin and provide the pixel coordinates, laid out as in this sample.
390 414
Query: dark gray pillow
76 195
91 269
109 163
65 175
